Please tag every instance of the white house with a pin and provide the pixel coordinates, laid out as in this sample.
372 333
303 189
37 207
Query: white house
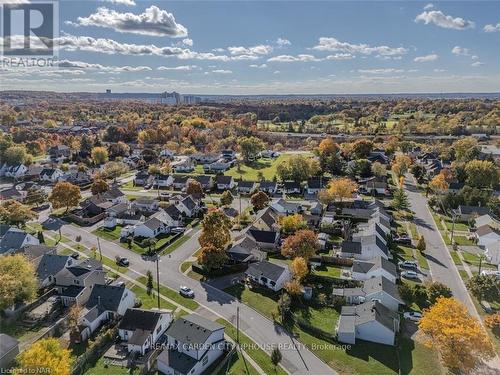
164 180
377 288
225 182
378 266
15 171
106 302
188 206
370 321
492 252
14 238
51 175
141 329
270 275
193 344
487 235
148 229
284 207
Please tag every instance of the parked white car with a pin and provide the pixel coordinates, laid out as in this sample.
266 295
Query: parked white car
409 275
408 264
414 316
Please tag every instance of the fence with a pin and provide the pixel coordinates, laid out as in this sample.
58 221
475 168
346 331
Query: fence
101 344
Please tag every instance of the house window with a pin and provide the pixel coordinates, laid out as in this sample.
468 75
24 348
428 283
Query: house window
205 361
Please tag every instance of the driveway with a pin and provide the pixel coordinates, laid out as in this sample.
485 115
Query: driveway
442 267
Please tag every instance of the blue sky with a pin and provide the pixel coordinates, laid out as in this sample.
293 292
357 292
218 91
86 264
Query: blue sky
237 47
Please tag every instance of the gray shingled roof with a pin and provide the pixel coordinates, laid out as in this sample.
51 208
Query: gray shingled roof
265 269
380 283
192 329
367 312
105 297
50 264
375 263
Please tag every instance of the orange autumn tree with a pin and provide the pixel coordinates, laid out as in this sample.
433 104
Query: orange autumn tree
303 243
438 183
459 338
342 188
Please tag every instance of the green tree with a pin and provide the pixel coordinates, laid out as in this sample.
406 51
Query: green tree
226 198
421 244
276 357
99 155
99 186
15 213
482 174
436 290
18 282
216 230
149 284
16 155
485 287
259 200
250 147
400 200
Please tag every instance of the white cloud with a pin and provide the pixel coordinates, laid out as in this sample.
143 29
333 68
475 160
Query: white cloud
108 46
439 70
459 51
492 28
334 45
477 64
187 42
429 6
260 49
222 71
261 66
380 71
426 58
474 57
290 58
129 3
154 21
340 56
180 67
283 42
440 19
276 72
81 65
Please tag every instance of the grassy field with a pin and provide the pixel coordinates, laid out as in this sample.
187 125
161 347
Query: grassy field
238 365
151 301
256 353
456 258
328 271
172 294
261 299
100 368
251 171
417 359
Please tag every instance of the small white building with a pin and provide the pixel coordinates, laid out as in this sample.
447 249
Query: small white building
378 266
370 321
15 171
193 344
270 275
141 329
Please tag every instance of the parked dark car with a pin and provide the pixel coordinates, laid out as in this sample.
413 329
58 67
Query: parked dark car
403 240
121 261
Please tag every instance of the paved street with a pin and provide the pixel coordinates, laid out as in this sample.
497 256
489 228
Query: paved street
296 359
442 267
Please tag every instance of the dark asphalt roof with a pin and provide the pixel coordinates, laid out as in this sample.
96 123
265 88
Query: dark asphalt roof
351 247
108 297
71 291
264 236
370 311
265 269
192 329
139 319
50 264
375 263
180 362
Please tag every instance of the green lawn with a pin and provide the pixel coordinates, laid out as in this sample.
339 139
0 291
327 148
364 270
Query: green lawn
463 241
261 299
470 258
418 359
422 260
323 318
255 352
328 271
455 257
405 252
151 301
109 234
238 365
266 166
100 368
413 230
185 266
175 245
172 294
458 226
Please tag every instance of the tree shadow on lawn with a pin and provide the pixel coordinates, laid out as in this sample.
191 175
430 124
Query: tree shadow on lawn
384 354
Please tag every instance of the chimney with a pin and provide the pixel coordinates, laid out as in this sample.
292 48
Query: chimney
98 301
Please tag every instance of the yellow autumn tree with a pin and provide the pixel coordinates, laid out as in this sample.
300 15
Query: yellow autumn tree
299 268
292 223
401 164
48 355
340 188
438 183
459 338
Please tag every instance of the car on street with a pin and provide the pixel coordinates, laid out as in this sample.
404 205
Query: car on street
75 255
409 275
178 230
414 316
186 292
408 264
122 261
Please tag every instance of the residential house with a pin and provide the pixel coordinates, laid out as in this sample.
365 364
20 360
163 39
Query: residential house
81 179
163 180
182 165
466 213
487 220
378 156
123 214
244 250
59 151
268 187
206 182
49 266
292 187
148 204
487 235
51 175
114 195
315 184
106 302
217 167
270 275
266 240
142 178
149 229
246 187
13 239
228 155
188 206
455 187
374 186
378 266
33 172
16 171
34 253
225 182
193 344
323 239
180 182
492 252
13 193
376 288
141 329
205 158
369 321
284 207
267 219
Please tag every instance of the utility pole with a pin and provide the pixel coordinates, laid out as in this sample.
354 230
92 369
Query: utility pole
453 227
99 247
158 279
239 196
238 325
